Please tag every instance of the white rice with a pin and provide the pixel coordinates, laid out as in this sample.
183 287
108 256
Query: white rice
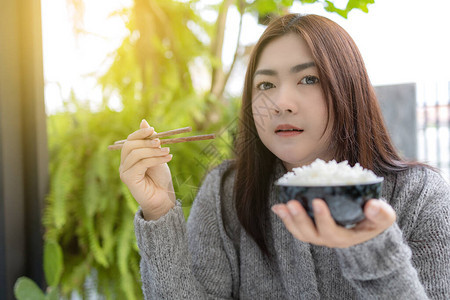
321 173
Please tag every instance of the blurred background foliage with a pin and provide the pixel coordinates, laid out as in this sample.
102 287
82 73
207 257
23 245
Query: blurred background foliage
89 212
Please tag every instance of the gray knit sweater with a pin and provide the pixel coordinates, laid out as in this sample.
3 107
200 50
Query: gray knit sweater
213 258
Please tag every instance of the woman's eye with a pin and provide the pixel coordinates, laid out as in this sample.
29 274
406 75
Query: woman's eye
310 79
264 86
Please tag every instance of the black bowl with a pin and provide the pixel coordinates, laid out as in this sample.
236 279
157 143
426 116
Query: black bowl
346 202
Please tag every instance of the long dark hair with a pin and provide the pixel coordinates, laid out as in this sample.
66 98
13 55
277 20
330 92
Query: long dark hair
359 134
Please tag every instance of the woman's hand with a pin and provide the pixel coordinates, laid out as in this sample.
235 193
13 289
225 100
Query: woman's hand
143 168
379 217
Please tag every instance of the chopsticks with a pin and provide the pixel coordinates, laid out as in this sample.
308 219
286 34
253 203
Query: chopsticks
119 144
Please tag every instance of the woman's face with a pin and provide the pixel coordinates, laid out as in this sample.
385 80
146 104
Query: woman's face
288 105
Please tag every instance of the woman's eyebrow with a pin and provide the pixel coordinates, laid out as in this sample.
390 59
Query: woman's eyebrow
265 72
294 69
301 67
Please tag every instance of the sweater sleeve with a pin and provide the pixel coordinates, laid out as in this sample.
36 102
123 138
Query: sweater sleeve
167 270
392 266
430 239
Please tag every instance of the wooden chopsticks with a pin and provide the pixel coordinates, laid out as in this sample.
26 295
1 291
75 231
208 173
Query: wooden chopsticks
119 144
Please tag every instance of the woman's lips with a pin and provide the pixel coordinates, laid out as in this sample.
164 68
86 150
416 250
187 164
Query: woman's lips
288 130
289 133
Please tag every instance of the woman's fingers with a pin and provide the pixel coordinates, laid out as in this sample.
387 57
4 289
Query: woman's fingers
137 171
144 124
380 213
324 221
141 133
296 220
325 232
329 232
138 139
139 154
136 144
145 131
144 170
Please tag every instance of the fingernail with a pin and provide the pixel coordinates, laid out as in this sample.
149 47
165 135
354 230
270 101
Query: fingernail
278 212
373 209
165 149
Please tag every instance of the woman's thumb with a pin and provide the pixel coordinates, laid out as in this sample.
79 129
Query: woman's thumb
380 211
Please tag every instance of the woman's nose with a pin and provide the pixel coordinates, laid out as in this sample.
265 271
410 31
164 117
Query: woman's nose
285 101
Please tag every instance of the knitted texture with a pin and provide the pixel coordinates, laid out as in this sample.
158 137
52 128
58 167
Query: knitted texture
213 258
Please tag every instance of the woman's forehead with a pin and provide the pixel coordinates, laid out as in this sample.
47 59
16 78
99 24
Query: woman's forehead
284 52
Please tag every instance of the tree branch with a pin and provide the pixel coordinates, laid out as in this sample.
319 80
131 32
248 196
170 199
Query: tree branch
216 49
238 45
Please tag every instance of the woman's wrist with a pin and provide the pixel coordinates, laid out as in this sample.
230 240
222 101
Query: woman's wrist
155 214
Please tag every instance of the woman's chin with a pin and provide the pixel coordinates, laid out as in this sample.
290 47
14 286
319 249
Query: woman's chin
292 162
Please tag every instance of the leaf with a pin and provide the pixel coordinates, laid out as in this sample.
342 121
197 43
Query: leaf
53 294
27 289
94 244
359 4
53 263
331 8
264 7
287 3
125 241
351 4
131 203
61 189
74 278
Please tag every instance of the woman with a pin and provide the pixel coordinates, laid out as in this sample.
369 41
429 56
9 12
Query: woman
306 96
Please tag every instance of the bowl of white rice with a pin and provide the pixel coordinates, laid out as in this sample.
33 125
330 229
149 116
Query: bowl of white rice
344 188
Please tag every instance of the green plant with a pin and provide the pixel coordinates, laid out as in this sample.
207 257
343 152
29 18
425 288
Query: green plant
27 289
89 211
